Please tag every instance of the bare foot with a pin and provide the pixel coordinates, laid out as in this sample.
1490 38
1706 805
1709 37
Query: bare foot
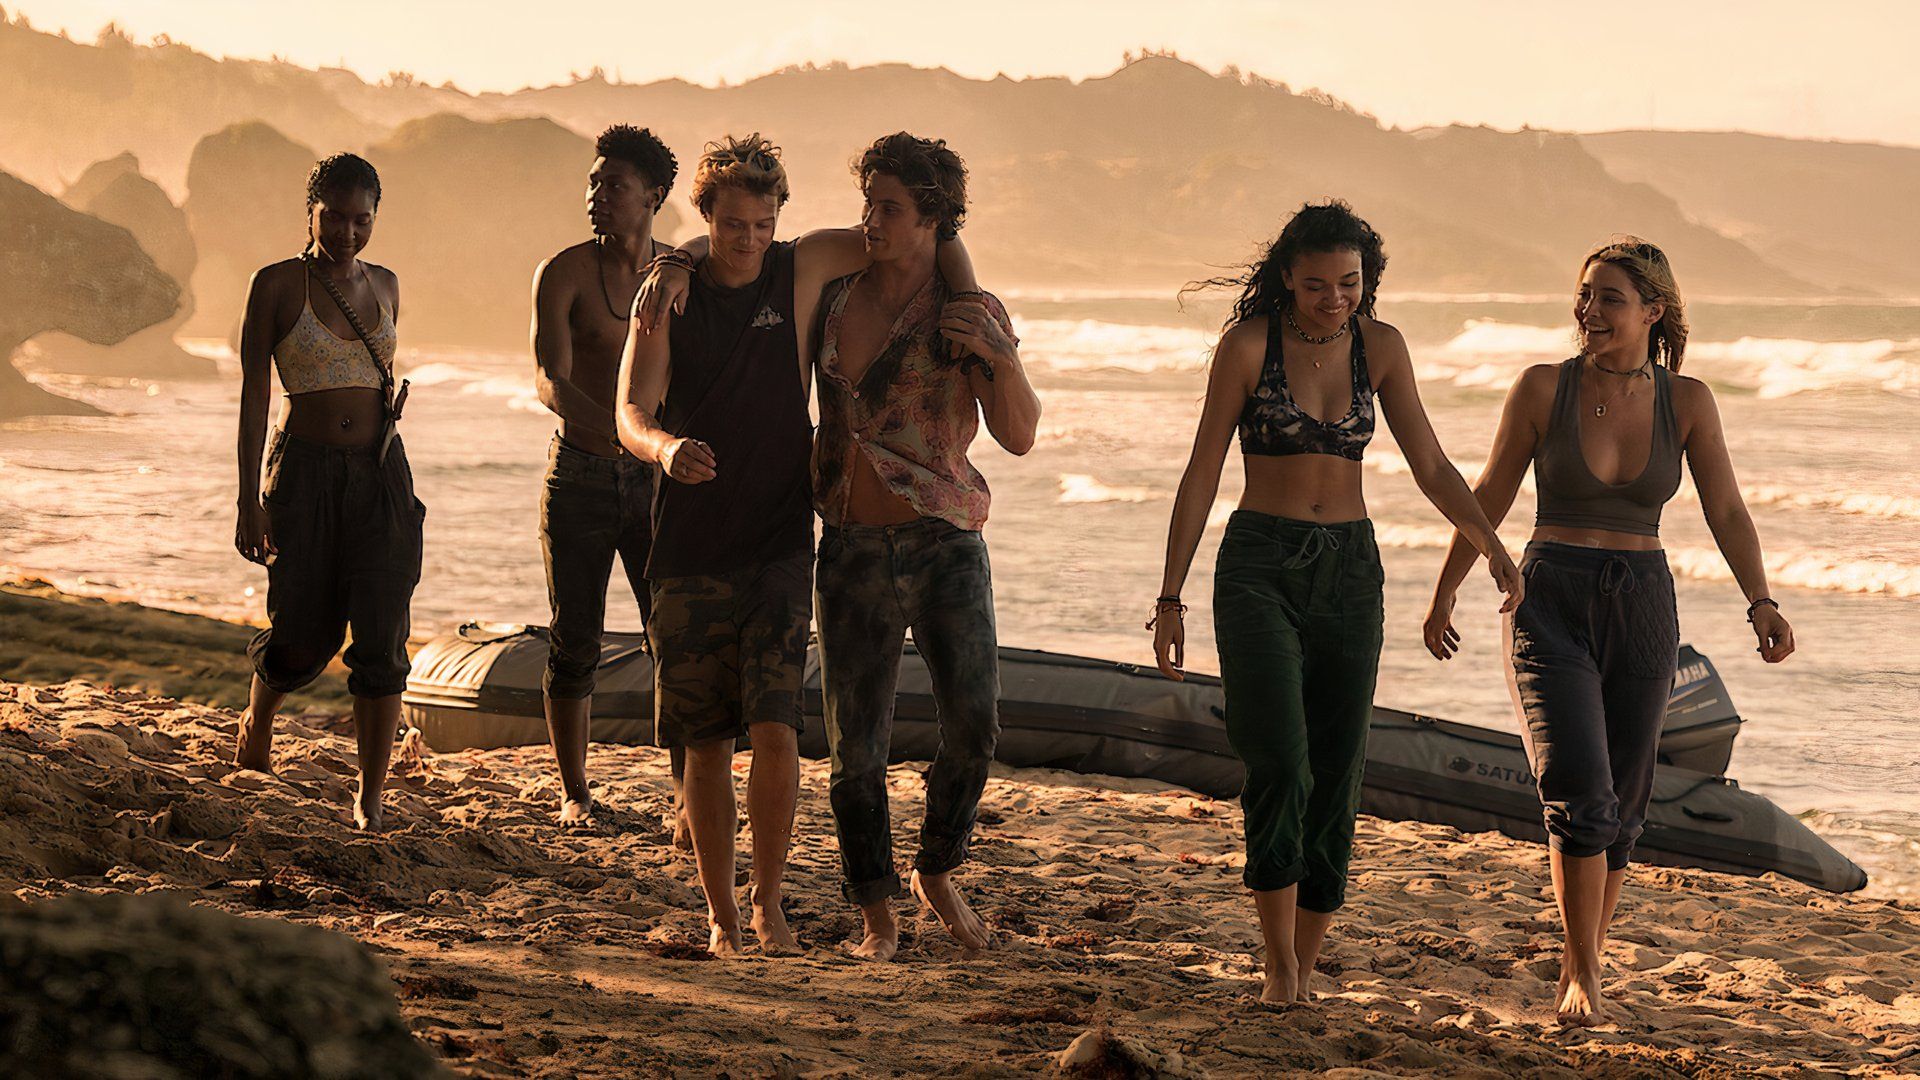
575 811
937 892
1280 986
254 750
1582 1005
1301 996
882 937
770 924
682 831
723 942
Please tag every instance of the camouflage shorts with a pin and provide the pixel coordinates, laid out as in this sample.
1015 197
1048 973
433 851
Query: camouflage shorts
730 650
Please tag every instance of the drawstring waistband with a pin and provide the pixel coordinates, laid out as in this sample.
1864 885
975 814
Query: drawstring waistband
1317 542
1616 577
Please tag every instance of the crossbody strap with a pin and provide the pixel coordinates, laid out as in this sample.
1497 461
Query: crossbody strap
394 399
381 364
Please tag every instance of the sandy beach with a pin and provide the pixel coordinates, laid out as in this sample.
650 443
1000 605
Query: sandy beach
520 949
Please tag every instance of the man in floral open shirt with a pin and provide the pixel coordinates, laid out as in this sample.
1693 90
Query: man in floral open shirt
903 509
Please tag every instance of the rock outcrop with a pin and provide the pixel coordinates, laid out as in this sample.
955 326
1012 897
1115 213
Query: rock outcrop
64 270
117 192
247 207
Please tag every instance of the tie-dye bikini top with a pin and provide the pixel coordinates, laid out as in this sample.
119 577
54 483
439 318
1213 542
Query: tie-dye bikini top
1273 424
312 357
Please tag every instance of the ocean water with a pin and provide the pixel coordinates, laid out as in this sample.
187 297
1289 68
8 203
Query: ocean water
141 504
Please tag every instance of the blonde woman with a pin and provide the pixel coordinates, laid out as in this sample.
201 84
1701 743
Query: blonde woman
1595 642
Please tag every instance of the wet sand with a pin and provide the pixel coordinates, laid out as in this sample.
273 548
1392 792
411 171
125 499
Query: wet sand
520 949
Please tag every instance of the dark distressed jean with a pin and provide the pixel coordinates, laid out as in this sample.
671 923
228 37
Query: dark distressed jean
873 583
1594 647
348 530
591 509
1297 614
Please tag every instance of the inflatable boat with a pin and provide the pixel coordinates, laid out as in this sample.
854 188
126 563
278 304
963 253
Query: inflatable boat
479 688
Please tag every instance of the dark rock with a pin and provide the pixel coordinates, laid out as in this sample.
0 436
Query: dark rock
120 985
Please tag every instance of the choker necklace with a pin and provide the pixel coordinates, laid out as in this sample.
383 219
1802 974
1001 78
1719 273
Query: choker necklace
1601 409
1303 336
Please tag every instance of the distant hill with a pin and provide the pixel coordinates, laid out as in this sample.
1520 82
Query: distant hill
1145 178
490 198
1840 215
247 207
468 209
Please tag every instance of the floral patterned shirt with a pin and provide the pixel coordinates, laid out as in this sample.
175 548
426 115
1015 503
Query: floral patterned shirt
912 413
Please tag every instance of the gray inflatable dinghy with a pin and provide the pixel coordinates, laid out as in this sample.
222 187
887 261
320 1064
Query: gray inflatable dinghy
479 688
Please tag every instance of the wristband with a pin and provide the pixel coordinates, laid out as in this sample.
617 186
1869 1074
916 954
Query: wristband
671 257
1164 604
1755 606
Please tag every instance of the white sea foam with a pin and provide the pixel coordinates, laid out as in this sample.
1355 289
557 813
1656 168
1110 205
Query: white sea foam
1781 367
1081 488
1092 345
1890 506
1482 338
1489 353
1796 570
515 390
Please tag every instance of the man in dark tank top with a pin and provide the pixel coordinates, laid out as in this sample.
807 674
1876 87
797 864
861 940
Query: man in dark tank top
596 499
715 393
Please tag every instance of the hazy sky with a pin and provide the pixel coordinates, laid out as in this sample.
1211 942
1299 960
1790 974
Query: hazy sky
1830 70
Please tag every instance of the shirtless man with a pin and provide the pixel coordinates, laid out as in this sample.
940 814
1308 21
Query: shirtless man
597 498
716 394
903 509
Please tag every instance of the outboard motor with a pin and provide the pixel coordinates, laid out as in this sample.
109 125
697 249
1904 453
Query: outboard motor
1701 721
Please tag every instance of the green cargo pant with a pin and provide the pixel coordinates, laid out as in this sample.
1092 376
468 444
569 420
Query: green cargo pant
1297 614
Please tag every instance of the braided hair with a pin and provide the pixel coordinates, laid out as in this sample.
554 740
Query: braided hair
336 174
341 172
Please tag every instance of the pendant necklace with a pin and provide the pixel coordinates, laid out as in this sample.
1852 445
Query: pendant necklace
1304 336
1601 409
600 261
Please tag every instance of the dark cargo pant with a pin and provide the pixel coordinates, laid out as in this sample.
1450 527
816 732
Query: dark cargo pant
591 508
348 532
1298 613
1594 646
873 583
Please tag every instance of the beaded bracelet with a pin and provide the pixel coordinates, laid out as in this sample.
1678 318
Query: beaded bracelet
671 257
1755 606
1162 604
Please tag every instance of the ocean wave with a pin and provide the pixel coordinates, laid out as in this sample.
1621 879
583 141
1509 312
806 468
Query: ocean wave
1819 573
1890 506
214 349
515 390
1077 488
1768 367
1852 503
1092 345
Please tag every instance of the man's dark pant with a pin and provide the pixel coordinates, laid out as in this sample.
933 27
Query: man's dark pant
871 585
591 509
